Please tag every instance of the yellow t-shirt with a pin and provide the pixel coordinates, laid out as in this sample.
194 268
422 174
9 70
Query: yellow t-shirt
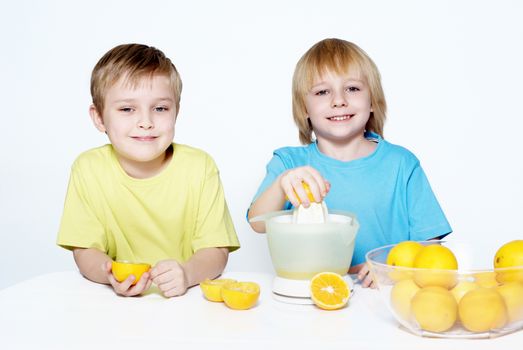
168 216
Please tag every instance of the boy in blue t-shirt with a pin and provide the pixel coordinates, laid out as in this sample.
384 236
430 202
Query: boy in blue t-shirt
337 95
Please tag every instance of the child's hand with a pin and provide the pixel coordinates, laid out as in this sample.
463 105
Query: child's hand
292 180
170 277
363 275
126 288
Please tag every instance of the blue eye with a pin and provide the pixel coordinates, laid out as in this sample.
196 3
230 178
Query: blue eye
321 93
126 109
161 109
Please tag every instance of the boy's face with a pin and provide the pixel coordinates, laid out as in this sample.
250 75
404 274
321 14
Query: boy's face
338 106
139 121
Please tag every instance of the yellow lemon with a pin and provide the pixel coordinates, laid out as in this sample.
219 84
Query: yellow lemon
512 293
462 288
403 254
435 309
486 279
510 255
240 295
329 291
123 269
482 309
436 259
212 289
307 191
401 296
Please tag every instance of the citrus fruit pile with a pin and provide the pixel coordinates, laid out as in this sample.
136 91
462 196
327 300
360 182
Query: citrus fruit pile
329 291
236 295
429 292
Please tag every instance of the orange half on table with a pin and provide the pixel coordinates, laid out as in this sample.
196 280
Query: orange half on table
329 291
240 295
212 289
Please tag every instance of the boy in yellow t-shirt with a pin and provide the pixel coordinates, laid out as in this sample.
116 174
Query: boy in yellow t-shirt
143 198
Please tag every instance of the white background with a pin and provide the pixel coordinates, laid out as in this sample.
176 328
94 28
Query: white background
452 74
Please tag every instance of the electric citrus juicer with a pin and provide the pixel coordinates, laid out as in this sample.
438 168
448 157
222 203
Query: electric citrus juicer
301 250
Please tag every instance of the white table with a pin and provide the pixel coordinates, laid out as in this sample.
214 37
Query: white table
65 311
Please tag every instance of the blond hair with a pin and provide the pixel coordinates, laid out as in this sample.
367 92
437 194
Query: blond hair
338 56
132 61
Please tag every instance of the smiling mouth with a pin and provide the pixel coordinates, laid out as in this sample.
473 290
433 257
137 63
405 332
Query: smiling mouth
339 118
144 138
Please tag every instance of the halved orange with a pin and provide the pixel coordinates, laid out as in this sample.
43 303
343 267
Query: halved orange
123 269
329 291
212 289
240 295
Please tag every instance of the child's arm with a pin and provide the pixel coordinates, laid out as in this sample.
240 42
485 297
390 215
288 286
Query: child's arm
288 185
96 266
174 278
90 262
272 199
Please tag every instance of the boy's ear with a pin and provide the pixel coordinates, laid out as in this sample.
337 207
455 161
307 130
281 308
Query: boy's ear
96 118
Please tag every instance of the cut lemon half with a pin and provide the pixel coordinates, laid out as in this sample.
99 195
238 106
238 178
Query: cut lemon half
240 295
123 269
329 291
212 289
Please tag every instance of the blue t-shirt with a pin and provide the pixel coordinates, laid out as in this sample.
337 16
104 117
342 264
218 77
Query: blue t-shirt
387 190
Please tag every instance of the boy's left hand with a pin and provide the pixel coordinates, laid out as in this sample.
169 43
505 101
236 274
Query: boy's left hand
363 275
170 277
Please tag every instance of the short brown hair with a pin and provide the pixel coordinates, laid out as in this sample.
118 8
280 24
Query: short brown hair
132 61
338 56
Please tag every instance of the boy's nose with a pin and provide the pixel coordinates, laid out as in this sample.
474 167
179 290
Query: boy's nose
338 100
339 104
145 122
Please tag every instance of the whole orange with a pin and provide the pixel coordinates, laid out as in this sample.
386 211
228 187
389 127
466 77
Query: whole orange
510 255
439 266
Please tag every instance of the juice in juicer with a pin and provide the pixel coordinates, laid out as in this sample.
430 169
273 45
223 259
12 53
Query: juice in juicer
299 250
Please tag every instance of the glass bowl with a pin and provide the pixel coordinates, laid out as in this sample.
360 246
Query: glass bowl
470 302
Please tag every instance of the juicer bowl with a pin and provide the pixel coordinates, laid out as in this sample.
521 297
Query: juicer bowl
300 251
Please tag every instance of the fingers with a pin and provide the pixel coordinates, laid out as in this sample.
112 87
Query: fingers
126 288
292 185
164 267
327 187
368 282
142 285
287 186
122 288
170 278
297 187
317 184
172 288
363 272
365 277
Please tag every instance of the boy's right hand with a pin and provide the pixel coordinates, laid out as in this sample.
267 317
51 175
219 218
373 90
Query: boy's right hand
291 182
126 288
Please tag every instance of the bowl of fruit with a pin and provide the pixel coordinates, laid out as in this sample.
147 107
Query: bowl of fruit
445 289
